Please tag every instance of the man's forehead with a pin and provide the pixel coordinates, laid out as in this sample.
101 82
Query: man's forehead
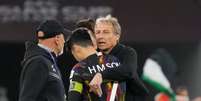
104 25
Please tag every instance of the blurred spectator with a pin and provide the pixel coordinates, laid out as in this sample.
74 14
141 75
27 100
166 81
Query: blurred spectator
182 94
3 94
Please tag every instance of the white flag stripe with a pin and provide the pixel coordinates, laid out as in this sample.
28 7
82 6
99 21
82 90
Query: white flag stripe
153 70
114 90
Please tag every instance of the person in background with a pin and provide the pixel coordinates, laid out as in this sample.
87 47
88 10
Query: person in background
182 94
89 24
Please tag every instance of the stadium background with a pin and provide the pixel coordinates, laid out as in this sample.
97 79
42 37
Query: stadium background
146 25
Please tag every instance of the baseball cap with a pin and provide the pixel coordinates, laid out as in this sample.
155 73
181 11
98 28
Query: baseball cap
51 28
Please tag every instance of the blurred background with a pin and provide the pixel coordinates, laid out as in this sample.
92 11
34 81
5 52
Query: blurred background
147 25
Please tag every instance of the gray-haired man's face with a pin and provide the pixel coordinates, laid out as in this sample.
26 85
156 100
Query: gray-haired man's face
105 36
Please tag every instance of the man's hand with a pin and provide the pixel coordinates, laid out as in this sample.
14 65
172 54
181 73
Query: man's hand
95 84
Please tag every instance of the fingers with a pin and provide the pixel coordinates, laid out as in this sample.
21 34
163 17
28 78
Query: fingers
97 90
97 79
95 84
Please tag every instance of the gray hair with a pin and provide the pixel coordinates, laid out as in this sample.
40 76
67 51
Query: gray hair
113 21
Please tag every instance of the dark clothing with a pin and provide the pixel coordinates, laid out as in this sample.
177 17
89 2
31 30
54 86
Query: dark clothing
83 72
40 78
127 71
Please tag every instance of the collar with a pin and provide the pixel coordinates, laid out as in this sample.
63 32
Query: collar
99 53
45 47
116 49
53 55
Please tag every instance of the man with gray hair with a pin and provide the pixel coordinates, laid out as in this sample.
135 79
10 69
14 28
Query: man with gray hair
107 33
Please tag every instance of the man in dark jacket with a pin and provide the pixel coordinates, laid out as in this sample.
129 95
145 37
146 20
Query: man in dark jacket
107 32
40 78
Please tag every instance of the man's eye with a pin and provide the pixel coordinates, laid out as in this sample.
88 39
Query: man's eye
106 32
97 32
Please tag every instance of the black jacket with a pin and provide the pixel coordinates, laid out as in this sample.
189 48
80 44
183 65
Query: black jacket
40 78
135 89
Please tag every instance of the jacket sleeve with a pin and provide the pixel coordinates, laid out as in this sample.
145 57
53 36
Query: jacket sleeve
126 70
76 86
35 76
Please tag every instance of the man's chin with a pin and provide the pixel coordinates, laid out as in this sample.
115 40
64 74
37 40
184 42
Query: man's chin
103 49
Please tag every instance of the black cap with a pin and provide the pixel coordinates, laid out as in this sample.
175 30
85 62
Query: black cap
51 28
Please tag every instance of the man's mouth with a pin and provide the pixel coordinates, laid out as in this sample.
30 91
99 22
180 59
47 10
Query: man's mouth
101 43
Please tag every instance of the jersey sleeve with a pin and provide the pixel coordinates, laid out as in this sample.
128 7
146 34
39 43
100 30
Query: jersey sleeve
76 85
